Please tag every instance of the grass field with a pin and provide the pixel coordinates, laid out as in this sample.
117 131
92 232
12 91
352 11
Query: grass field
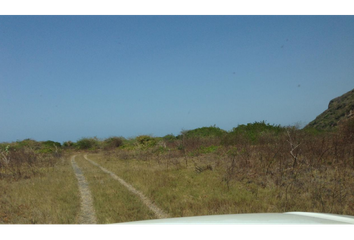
184 192
253 169
49 197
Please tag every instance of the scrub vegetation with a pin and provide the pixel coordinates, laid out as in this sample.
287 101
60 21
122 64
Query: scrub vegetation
256 167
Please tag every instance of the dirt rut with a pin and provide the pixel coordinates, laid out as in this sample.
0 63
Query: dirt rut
87 213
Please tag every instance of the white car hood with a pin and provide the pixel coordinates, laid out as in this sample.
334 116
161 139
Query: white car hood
257 218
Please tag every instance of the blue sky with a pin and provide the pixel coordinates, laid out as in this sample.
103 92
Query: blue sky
67 77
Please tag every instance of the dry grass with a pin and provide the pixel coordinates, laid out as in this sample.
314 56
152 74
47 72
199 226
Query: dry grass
50 197
289 171
113 203
294 172
182 191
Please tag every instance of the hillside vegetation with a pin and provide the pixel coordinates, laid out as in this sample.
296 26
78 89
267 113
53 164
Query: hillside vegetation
257 167
340 109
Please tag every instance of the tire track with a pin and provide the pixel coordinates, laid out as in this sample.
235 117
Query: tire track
158 212
87 213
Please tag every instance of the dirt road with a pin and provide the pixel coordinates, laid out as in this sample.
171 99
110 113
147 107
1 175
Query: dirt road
87 213
158 212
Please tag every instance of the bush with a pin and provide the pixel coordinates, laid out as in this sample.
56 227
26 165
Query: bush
68 144
169 138
4 146
203 132
313 131
49 146
252 132
88 143
346 129
29 143
24 162
112 142
209 149
146 141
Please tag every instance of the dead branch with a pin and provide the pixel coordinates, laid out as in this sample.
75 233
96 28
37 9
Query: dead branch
293 147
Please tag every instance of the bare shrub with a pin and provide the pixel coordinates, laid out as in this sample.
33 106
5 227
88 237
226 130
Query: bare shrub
24 163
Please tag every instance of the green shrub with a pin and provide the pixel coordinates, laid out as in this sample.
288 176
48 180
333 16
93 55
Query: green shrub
251 132
146 141
87 143
312 131
112 142
5 146
68 144
29 143
203 132
169 137
49 147
45 150
51 143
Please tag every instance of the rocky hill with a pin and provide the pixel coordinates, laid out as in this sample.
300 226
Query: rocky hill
339 110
